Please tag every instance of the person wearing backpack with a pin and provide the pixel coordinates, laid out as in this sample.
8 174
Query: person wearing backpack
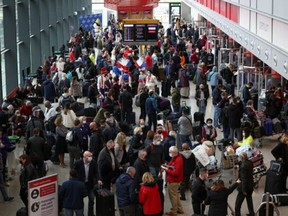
66 98
74 142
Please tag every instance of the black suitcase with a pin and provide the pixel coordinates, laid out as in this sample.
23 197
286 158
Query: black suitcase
275 182
132 118
199 117
22 212
105 205
165 88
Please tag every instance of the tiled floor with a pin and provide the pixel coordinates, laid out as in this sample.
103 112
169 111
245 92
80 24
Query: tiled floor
10 208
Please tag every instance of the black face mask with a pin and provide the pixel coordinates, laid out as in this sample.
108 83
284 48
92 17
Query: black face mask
159 132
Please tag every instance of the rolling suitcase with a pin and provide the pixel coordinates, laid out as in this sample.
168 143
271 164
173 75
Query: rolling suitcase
132 118
275 182
104 203
257 160
268 127
277 127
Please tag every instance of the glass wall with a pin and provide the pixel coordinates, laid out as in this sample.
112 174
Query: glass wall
28 31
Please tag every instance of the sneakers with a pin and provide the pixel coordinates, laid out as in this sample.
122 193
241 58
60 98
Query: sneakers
9 199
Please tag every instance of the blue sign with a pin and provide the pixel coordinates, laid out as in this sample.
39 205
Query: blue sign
87 21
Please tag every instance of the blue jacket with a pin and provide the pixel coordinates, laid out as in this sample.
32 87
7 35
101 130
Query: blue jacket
125 190
49 90
215 77
151 105
72 193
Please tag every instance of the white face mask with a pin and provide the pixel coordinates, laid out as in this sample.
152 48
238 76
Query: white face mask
142 126
243 134
170 155
89 159
84 122
158 143
209 125
141 133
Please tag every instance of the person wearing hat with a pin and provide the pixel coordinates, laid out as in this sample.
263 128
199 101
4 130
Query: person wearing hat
201 97
101 82
125 78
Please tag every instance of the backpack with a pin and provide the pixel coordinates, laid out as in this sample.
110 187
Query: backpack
137 100
71 138
50 125
125 78
66 100
210 74
113 129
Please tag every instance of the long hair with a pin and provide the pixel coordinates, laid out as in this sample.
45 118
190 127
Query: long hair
218 185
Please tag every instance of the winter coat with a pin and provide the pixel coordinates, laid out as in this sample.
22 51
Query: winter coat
218 201
149 197
175 173
235 114
49 90
125 190
189 162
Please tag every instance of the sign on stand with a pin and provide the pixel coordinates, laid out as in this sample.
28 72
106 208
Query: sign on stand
43 196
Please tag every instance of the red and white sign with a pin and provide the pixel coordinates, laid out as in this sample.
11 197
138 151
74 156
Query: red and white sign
43 196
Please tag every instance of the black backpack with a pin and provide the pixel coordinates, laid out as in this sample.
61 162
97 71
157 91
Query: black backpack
50 125
66 100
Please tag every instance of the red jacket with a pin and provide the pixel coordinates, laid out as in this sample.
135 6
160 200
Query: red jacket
149 197
25 110
148 60
175 175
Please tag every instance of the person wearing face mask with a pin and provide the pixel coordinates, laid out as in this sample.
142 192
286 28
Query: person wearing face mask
209 130
155 155
145 129
174 177
162 132
247 138
86 169
246 93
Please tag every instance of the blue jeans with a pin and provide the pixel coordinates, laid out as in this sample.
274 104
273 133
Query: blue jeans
70 212
217 112
226 131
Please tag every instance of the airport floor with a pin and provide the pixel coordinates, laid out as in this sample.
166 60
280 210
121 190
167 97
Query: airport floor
10 208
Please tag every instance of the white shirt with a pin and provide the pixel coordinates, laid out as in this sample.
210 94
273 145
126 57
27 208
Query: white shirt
49 113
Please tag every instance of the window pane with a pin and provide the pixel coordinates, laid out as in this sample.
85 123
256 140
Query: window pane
1 29
3 76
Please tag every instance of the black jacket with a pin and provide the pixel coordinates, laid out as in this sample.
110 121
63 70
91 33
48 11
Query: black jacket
27 174
246 176
155 155
92 175
96 144
218 201
199 192
141 167
189 162
105 169
281 150
246 94
235 114
126 101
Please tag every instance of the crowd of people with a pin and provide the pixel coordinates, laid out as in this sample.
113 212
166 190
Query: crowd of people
107 73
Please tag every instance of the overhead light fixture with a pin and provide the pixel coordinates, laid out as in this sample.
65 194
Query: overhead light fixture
75 13
83 8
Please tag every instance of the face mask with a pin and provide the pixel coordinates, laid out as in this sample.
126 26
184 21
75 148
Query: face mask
243 134
89 159
209 125
84 122
141 133
142 126
158 143
170 155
